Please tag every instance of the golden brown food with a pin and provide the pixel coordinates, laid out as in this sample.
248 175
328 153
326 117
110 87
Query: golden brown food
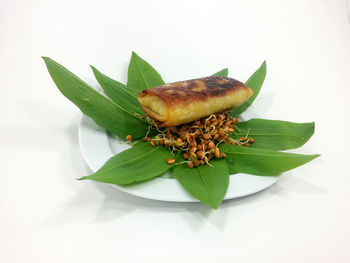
185 101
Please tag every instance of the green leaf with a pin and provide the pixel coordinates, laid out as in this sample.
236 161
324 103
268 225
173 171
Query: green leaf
118 93
275 135
141 75
260 161
139 163
103 111
255 82
208 184
222 73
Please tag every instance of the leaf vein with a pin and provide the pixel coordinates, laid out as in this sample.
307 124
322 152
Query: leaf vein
131 160
143 76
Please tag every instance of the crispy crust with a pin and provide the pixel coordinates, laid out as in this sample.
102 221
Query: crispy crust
185 101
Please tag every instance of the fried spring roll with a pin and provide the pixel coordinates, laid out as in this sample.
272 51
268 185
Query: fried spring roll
185 101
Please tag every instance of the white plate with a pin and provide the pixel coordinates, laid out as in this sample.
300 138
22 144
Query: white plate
97 146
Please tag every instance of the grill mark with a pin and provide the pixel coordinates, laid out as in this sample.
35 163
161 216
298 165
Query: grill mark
202 89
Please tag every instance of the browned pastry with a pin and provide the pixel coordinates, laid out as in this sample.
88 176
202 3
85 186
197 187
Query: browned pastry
185 101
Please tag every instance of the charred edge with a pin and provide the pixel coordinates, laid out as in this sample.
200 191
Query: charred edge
195 89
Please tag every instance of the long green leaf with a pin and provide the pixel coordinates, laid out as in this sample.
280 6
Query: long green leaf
139 163
275 135
208 184
103 111
118 93
141 75
255 82
260 161
222 73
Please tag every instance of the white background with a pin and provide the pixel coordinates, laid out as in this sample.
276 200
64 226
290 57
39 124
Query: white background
47 216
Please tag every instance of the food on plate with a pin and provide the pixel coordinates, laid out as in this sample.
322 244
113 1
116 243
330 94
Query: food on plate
199 140
189 118
186 101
